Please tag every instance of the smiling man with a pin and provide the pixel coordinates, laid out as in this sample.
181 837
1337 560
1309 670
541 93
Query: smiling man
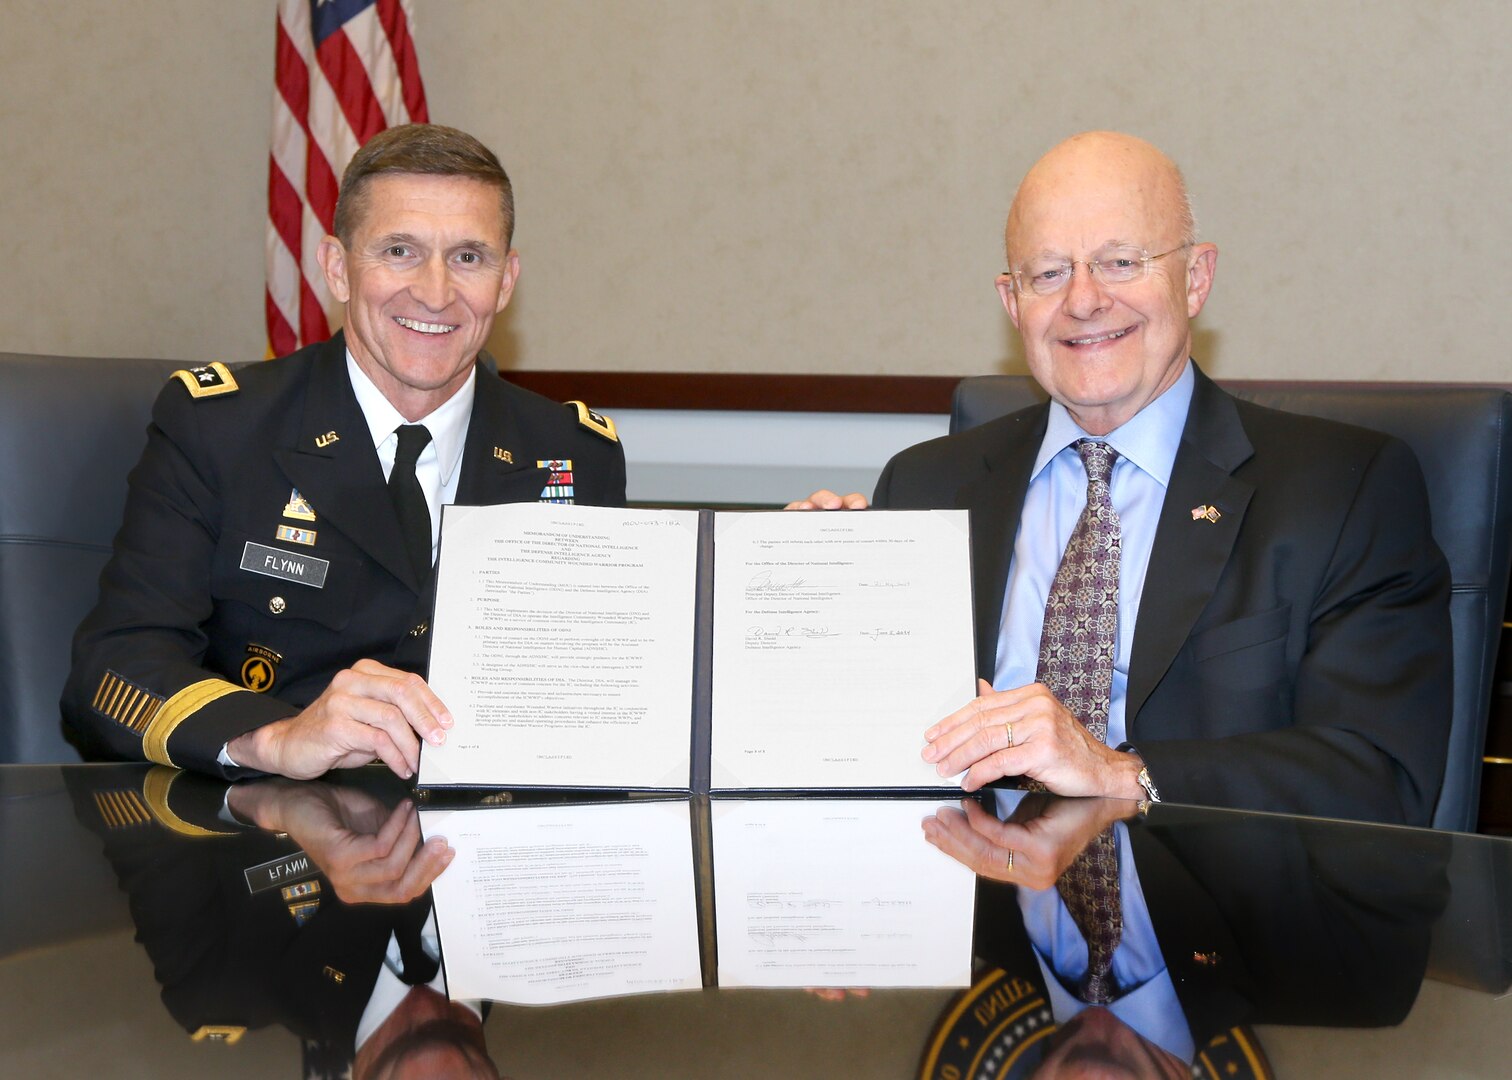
267 602
1178 594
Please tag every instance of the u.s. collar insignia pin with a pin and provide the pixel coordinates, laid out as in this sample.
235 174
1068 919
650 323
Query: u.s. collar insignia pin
1206 513
503 455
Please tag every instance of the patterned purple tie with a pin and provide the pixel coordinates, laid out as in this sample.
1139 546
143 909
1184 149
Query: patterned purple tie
1081 615
1090 889
1076 664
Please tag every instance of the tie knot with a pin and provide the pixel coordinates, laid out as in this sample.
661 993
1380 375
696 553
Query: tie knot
1098 457
413 438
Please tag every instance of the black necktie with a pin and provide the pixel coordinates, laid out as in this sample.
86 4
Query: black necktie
409 498
419 966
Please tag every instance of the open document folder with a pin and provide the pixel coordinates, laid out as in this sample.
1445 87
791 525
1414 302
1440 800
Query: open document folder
694 650
556 903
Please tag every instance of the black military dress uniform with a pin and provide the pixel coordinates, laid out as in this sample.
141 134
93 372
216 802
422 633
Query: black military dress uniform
261 553
243 929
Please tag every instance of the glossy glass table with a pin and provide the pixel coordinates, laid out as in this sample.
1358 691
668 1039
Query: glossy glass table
150 927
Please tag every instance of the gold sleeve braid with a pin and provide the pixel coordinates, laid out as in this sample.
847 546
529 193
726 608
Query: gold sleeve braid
121 808
126 703
124 808
155 787
182 705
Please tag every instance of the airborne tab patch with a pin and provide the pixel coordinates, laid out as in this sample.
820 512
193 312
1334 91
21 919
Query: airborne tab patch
260 668
208 380
597 423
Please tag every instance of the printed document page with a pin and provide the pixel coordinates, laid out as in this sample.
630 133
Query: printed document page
549 904
818 892
563 646
839 638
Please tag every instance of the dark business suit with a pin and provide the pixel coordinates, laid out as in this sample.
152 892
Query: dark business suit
1294 654
165 664
1267 921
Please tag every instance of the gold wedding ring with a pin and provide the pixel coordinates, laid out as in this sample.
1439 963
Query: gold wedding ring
1009 729
1010 860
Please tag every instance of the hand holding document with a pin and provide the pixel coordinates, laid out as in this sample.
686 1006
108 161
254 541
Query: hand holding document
667 649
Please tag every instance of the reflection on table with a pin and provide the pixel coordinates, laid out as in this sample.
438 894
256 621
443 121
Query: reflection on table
1015 935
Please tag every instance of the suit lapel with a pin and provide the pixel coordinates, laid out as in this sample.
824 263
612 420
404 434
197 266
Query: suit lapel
1189 553
342 478
498 465
995 498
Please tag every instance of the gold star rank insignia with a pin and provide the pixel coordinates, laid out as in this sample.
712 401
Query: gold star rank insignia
595 422
209 380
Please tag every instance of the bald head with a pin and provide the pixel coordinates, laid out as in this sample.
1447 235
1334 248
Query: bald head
1102 171
1103 205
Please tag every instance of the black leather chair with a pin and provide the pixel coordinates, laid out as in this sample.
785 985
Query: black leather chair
1462 435
70 430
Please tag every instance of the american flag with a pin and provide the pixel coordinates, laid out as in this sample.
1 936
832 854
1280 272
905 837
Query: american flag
346 69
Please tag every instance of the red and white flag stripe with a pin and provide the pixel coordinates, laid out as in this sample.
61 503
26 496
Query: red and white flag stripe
346 69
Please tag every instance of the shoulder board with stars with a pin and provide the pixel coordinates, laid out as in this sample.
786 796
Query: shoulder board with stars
597 423
208 380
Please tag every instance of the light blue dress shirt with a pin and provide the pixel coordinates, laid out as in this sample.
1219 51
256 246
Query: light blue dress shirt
1146 447
1147 1001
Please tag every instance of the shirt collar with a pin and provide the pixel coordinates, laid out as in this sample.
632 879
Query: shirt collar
447 424
1151 1009
1149 438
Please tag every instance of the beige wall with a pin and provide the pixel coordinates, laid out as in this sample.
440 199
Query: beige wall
798 186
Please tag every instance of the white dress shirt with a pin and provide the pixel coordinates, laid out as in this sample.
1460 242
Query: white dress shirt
390 989
440 463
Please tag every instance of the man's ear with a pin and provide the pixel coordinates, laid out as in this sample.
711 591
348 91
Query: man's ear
1010 297
510 279
1200 271
332 258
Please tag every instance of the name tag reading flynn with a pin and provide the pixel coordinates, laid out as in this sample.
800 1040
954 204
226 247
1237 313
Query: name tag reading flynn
288 565
276 872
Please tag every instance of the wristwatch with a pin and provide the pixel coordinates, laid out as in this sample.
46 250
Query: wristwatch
1143 779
